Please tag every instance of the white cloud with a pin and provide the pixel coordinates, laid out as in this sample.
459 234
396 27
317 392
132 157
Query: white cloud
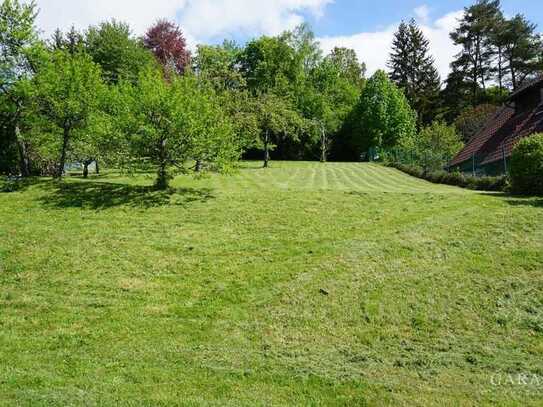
422 13
213 18
82 13
374 48
204 20
200 19
441 45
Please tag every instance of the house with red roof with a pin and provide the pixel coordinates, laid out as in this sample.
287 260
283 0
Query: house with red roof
488 152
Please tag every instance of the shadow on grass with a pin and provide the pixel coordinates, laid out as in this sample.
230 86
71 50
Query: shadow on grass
104 195
517 201
17 184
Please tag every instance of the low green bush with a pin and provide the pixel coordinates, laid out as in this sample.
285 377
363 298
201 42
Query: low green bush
458 179
527 166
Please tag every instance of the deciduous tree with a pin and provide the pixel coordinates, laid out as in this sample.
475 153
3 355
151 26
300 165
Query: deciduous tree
66 93
473 119
384 114
112 46
166 41
17 38
277 120
168 122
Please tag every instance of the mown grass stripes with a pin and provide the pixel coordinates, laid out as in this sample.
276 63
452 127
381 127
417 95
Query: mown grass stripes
357 177
300 284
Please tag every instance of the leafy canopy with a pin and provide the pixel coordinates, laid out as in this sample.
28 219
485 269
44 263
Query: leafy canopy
121 56
168 122
386 119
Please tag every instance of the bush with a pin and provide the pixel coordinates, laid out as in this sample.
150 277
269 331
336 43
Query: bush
527 166
497 184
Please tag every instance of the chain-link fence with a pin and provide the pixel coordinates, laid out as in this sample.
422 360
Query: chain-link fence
427 160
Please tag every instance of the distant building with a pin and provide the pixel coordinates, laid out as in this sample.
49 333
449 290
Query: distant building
489 151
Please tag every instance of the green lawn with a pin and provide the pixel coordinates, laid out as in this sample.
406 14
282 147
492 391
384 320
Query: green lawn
303 284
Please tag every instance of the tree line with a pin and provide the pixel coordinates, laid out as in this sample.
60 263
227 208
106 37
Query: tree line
106 95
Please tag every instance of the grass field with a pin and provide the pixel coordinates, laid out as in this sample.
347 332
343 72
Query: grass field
303 284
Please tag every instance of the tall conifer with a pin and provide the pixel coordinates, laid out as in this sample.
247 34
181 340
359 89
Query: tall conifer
413 70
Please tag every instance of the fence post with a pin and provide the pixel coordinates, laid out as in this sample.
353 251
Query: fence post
504 159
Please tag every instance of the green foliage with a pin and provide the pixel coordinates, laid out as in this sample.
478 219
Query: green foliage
436 145
474 35
439 137
216 64
18 37
527 166
72 42
66 93
120 55
431 150
473 119
336 84
8 146
216 67
17 33
350 68
496 184
67 88
269 63
494 50
413 69
278 121
385 117
167 123
518 49
326 91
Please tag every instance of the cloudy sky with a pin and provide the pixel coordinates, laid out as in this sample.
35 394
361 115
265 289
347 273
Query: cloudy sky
364 25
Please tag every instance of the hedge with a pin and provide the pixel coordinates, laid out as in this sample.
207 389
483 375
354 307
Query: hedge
458 179
527 166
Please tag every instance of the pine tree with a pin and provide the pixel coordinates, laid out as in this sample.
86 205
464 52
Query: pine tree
474 35
413 70
522 49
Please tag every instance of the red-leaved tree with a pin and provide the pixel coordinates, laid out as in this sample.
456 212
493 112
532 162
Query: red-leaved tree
166 41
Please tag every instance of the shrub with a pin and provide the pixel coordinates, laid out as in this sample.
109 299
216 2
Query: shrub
437 144
458 179
527 166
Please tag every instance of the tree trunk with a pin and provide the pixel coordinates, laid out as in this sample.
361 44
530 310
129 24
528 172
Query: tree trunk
323 146
24 161
162 176
86 165
475 86
62 162
97 167
500 68
513 75
267 149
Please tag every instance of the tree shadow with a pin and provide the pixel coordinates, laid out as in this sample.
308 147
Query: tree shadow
104 195
251 165
18 184
518 201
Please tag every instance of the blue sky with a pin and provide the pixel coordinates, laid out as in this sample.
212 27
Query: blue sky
346 17
367 26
